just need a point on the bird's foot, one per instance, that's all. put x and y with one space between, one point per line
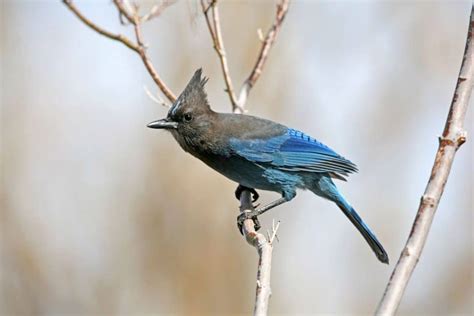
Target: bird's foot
241 188
248 215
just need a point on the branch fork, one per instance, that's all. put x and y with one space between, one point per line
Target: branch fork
211 14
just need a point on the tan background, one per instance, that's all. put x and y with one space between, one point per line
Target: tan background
101 215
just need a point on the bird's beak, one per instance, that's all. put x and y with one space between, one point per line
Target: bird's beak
163 124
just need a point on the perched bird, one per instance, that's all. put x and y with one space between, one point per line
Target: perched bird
260 154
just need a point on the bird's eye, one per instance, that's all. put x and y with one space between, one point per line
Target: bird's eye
188 117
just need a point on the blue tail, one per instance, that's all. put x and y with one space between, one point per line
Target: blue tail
352 215
324 187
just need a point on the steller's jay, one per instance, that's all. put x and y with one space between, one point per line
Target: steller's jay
260 154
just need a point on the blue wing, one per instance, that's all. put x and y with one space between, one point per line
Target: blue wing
292 151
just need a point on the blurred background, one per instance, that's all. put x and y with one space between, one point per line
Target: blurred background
101 215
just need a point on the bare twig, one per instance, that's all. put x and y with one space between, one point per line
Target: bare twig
264 249
282 9
453 137
271 237
134 19
117 37
156 10
139 47
214 27
124 10
260 35
156 98
211 14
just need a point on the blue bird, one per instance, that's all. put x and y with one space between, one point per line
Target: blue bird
260 154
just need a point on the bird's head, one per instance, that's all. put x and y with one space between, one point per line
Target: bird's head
190 112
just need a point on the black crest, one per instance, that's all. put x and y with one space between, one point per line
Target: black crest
193 95
197 82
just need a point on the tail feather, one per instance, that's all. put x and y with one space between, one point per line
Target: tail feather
325 187
376 246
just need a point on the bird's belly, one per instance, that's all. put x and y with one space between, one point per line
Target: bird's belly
242 171
255 176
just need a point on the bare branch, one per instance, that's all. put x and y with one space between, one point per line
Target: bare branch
116 37
134 19
213 23
264 249
453 137
282 9
211 14
124 10
152 71
139 46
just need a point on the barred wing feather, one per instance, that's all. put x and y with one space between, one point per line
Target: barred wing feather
293 151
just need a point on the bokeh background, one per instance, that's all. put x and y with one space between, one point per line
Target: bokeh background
100 215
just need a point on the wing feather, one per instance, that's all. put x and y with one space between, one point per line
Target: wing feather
293 151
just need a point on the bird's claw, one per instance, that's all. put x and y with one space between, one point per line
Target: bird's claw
247 215
241 188
255 195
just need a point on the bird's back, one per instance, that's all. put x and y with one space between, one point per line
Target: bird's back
247 127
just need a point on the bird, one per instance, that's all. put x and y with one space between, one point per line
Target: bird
260 154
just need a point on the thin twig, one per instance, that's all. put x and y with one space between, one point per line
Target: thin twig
260 35
134 19
156 98
453 137
116 37
274 235
213 24
282 9
139 47
156 10
124 10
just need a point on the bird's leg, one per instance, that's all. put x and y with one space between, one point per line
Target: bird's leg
259 211
255 196
241 188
